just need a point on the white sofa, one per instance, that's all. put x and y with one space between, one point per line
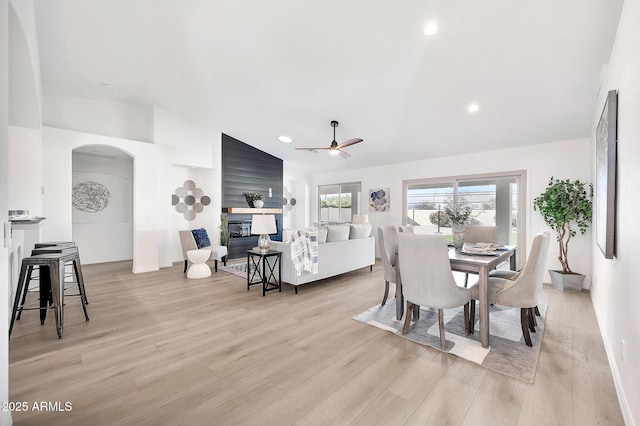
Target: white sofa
334 258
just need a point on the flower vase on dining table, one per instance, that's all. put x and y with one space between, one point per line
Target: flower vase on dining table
458 235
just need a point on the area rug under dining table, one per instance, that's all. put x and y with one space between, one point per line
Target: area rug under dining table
507 352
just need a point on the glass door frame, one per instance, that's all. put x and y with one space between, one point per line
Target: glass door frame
521 177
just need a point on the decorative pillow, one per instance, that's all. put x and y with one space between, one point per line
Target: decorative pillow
287 233
337 232
319 224
359 230
201 237
322 234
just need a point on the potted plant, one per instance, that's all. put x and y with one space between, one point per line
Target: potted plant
565 203
225 236
458 217
254 199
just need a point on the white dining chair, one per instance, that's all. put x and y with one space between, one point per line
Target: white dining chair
479 234
427 279
388 245
522 290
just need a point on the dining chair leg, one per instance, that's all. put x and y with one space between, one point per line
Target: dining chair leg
386 292
472 316
466 280
524 322
532 320
407 318
416 312
443 341
537 310
466 319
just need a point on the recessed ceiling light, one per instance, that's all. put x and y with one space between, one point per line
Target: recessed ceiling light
473 107
430 29
285 139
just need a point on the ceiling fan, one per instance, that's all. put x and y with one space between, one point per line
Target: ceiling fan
334 148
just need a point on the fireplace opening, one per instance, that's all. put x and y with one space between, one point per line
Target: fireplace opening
242 228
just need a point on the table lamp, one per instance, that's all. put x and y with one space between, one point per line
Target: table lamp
263 225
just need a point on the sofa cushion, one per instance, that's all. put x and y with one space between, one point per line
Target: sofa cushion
337 232
322 234
359 230
287 233
201 237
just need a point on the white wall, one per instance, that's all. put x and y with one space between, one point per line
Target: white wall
5 298
99 116
57 147
25 170
209 219
106 241
565 159
186 150
615 290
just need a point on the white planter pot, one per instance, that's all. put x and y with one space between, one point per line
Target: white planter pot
258 204
566 282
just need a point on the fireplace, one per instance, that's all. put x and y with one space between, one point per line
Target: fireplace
239 228
242 228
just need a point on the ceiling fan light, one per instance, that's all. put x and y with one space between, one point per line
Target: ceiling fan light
334 152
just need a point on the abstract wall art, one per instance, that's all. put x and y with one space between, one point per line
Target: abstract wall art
100 198
606 146
189 200
379 200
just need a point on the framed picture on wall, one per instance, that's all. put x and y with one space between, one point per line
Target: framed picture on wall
379 200
606 141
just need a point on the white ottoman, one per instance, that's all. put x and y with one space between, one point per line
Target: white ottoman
199 267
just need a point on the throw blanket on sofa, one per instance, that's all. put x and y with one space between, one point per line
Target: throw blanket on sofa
304 250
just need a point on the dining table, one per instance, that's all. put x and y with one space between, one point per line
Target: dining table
475 263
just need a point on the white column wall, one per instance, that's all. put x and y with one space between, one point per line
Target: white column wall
565 159
25 170
188 151
57 147
209 219
615 290
5 298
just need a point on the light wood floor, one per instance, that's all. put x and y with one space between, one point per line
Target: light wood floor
164 350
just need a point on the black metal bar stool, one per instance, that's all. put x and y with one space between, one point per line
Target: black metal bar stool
77 267
54 285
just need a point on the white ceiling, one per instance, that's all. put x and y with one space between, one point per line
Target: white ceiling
258 69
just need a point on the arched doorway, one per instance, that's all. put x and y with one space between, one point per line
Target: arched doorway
102 199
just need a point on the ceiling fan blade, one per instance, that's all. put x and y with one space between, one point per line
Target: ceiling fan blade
344 154
311 149
349 142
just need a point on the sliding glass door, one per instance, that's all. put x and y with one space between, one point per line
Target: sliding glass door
494 199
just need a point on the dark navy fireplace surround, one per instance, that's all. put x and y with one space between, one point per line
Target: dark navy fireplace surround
247 169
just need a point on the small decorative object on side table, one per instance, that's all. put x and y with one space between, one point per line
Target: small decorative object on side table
266 273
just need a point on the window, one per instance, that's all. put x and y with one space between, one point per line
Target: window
338 202
495 200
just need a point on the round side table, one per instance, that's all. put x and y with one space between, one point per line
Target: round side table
199 268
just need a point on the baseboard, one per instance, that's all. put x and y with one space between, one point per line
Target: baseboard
5 418
615 372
